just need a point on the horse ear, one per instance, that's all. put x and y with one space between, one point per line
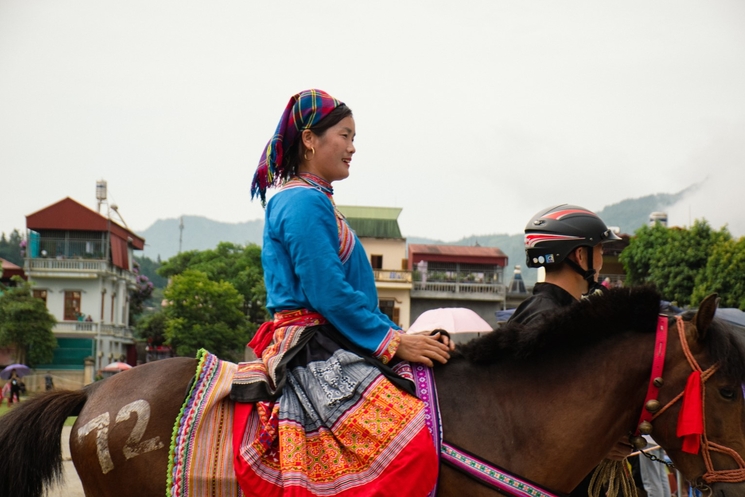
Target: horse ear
705 314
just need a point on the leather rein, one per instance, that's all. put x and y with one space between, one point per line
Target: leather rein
652 410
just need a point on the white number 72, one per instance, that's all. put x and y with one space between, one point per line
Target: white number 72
133 447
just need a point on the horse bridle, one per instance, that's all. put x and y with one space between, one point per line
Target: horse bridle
652 409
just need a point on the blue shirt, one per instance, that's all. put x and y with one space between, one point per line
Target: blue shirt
303 269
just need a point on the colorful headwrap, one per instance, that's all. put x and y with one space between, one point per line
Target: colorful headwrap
303 111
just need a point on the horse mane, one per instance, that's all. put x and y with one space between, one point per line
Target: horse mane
619 310
589 321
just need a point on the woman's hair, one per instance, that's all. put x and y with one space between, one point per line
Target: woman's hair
294 154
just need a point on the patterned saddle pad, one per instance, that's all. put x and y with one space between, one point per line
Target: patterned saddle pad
201 455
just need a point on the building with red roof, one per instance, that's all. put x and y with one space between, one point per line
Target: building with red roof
81 264
8 271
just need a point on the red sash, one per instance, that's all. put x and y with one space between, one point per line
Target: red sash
265 333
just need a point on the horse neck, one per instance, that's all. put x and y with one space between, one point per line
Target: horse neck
550 418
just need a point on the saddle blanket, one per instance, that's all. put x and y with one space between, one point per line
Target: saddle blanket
200 462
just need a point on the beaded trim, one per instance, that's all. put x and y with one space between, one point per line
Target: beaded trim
490 475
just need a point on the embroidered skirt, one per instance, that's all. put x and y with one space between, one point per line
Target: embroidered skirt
341 424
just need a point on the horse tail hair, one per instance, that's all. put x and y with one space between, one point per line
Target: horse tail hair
30 435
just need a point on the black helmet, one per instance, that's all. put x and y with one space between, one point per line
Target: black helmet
553 233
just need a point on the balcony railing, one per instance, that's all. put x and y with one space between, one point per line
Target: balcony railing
88 328
392 275
97 266
467 290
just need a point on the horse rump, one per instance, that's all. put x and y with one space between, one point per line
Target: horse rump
30 435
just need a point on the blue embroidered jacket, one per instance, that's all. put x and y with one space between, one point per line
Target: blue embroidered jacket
313 260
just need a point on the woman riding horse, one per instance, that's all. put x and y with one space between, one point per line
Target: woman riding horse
544 403
329 404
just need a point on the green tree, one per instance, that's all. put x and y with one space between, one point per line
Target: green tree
637 258
671 258
205 313
10 248
149 268
152 328
724 274
236 264
25 323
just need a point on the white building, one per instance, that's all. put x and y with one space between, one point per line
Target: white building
81 264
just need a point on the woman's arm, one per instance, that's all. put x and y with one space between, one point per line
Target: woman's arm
306 227
310 235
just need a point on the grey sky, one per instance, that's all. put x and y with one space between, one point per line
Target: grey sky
471 115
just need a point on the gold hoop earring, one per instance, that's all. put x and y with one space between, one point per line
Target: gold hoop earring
305 154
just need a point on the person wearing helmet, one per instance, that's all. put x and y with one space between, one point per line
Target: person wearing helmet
567 241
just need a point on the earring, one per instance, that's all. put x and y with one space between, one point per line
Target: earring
305 154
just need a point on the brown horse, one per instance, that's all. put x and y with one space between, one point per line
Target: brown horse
546 403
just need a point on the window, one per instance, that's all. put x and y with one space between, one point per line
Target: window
387 307
41 294
376 261
72 305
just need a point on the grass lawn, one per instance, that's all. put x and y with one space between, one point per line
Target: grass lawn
4 408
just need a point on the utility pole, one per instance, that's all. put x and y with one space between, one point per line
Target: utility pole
181 233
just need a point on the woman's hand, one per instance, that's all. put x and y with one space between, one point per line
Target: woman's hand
445 338
424 349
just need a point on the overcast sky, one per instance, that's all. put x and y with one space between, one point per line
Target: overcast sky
471 115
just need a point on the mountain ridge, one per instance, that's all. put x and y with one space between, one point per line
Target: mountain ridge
200 233
163 238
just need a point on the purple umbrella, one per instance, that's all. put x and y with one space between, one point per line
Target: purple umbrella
20 369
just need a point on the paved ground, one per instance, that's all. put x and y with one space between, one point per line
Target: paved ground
71 486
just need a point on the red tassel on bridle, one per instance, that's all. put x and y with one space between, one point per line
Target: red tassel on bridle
691 418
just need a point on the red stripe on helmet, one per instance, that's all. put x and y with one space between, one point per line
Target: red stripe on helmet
534 239
566 212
